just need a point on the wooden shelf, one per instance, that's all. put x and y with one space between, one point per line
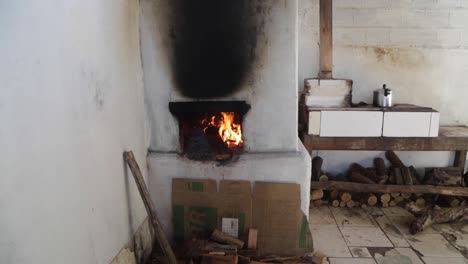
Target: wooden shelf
381 188
450 139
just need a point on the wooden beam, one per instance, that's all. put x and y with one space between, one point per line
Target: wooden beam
385 143
150 209
380 188
326 39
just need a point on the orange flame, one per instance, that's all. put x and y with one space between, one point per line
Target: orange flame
229 131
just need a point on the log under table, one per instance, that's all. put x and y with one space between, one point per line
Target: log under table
451 138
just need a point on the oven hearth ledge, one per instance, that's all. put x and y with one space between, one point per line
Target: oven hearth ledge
285 167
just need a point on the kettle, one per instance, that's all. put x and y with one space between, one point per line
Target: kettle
383 97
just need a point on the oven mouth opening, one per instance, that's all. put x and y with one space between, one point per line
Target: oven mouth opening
210 130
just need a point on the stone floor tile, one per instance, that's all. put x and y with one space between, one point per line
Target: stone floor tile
329 241
435 260
392 232
403 224
433 245
365 237
360 252
321 216
460 242
373 211
352 217
396 211
351 261
398 255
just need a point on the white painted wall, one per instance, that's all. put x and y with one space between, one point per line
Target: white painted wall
418 48
271 123
71 102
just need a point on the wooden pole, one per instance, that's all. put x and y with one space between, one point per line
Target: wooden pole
326 39
150 209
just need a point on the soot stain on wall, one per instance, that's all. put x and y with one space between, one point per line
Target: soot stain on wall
214 44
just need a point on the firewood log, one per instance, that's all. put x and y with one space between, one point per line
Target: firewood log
316 194
399 199
415 175
323 178
392 203
379 165
317 163
384 205
451 201
420 202
406 195
398 176
394 159
342 204
336 203
363 206
346 196
358 177
350 204
406 175
334 194
318 203
361 171
385 198
437 215
395 194
371 199
221 237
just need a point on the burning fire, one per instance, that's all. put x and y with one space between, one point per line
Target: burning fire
229 131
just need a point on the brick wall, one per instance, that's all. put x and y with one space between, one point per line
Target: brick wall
418 47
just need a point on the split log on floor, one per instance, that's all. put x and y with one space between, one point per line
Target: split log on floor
398 176
394 159
221 237
385 198
316 194
415 175
406 174
346 196
436 215
317 163
150 208
379 188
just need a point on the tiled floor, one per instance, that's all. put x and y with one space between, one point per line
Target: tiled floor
381 236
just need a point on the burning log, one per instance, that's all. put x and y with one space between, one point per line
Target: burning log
317 163
437 215
394 159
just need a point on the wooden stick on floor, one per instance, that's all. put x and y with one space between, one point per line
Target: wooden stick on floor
140 182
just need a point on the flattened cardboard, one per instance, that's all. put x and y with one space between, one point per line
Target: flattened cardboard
194 208
235 201
282 227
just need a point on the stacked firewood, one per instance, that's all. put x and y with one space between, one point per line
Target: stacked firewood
397 174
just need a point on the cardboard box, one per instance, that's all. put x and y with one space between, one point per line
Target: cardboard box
282 227
273 208
198 207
